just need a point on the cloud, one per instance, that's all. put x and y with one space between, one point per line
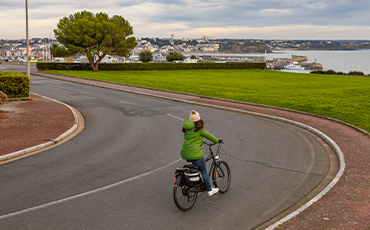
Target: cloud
218 18
281 12
279 32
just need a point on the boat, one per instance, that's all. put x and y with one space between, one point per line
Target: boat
293 66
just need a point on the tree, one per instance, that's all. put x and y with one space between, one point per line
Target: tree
58 51
174 56
145 56
95 36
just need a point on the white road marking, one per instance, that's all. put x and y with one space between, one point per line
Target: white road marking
178 118
85 193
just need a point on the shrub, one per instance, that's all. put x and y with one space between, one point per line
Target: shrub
337 73
330 71
3 97
174 56
14 84
318 72
356 73
145 56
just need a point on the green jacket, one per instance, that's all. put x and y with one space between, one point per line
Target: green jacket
192 146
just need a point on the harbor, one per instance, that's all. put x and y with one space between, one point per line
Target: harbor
337 60
293 63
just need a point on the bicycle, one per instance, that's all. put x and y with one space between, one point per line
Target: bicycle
186 188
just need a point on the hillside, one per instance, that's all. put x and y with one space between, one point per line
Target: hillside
244 47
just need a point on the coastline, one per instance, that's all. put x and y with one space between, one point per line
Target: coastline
337 60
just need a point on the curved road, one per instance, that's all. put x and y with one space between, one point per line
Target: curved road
118 172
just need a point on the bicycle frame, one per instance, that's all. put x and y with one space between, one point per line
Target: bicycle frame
214 158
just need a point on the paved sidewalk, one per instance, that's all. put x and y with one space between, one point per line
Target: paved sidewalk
345 206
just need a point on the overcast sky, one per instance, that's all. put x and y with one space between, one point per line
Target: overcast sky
257 19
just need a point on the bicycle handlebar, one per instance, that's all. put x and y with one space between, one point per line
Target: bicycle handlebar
212 144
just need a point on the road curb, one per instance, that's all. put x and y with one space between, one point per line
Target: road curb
49 143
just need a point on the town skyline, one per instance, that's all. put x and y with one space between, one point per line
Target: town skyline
17 47
258 19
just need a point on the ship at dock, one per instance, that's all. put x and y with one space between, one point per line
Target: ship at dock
293 66
294 63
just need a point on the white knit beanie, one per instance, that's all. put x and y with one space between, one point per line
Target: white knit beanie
194 116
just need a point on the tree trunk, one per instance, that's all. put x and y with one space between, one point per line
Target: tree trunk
94 66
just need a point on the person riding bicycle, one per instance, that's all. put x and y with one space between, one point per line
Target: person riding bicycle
192 146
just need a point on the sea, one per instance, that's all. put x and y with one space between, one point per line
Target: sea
337 60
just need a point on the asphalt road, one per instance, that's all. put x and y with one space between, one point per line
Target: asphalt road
118 172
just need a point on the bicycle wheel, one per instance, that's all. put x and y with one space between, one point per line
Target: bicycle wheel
221 176
184 197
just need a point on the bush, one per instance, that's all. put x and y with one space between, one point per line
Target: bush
174 56
14 84
356 73
151 66
3 97
146 56
332 72
318 72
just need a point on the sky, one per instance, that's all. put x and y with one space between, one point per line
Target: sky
244 19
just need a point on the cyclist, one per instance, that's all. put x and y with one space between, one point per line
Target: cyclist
192 146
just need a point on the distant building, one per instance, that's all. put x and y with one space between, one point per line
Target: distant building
209 47
189 60
208 38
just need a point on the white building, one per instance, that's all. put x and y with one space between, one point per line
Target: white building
209 47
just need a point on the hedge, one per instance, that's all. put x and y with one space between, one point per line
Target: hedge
332 72
15 85
151 66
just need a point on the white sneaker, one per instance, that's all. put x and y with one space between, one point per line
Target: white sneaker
213 191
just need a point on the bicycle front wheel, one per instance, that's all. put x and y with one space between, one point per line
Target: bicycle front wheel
184 197
221 176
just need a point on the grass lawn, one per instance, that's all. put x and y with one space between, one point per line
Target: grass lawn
346 98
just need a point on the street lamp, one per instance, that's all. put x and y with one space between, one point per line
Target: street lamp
28 42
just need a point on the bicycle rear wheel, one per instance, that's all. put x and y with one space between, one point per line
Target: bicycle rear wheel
184 197
221 176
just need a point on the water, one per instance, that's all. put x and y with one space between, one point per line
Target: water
345 61
337 60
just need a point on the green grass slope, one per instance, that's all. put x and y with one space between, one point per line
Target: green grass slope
346 98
